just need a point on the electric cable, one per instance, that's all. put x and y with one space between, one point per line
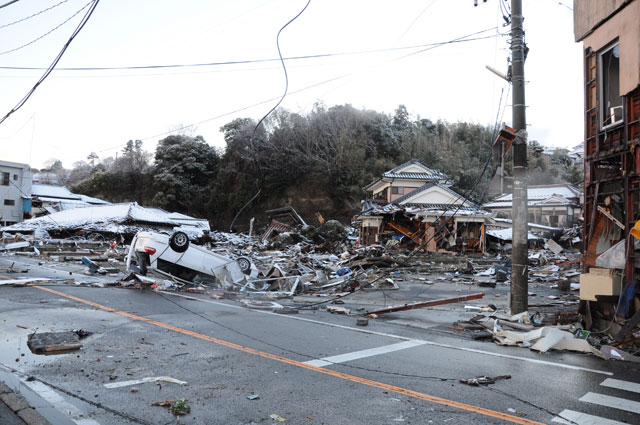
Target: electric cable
48 32
250 61
55 61
34 15
9 3
458 40
438 219
415 20
20 129
255 129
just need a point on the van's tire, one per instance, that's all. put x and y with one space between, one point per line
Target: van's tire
245 264
179 242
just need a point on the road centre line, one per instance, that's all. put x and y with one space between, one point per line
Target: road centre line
425 342
355 355
621 385
344 376
609 401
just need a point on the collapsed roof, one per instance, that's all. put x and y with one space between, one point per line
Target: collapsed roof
125 218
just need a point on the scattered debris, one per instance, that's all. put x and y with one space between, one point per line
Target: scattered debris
144 381
53 342
483 380
362 321
177 407
180 408
425 304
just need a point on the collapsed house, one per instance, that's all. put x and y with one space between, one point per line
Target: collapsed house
415 205
428 229
554 205
610 32
123 220
283 220
48 198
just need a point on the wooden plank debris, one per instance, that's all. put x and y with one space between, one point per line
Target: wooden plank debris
424 304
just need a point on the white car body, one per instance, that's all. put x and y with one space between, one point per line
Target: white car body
151 251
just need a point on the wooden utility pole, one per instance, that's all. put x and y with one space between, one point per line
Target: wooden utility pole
519 254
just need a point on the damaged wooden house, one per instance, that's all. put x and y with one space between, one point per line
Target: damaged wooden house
610 34
415 206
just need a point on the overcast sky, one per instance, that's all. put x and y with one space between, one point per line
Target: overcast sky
74 113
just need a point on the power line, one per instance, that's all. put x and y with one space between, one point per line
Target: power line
8 4
457 40
255 129
55 61
33 16
415 20
249 61
48 32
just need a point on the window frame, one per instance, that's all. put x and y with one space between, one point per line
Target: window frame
9 202
603 111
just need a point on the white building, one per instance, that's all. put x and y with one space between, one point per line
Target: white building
15 192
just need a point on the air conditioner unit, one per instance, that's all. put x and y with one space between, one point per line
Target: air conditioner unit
616 114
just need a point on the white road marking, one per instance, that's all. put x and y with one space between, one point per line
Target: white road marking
471 350
59 403
621 385
609 401
571 417
347 357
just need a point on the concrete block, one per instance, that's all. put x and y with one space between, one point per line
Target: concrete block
4 389
31 417
14 401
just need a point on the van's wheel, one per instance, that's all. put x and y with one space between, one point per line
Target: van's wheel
179 242
245 264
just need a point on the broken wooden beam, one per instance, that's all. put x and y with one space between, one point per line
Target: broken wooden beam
610 217
424 304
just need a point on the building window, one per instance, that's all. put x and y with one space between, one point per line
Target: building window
5 179
15 177
395 190
611 109
10 202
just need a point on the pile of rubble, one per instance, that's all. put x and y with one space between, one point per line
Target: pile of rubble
295 260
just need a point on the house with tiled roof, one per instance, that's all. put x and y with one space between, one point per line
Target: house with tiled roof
416 206
555 205
415 184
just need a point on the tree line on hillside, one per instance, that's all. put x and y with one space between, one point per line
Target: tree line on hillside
318 162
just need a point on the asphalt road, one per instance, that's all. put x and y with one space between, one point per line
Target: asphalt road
385 373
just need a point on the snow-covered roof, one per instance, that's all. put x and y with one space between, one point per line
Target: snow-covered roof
451 197
544 192
449 210
115 218
92 200
13 164
506 234
63 200
52 191
412 170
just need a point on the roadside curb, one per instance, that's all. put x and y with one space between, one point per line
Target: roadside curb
24 406
19 407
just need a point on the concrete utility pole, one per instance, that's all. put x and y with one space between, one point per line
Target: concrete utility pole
519 213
